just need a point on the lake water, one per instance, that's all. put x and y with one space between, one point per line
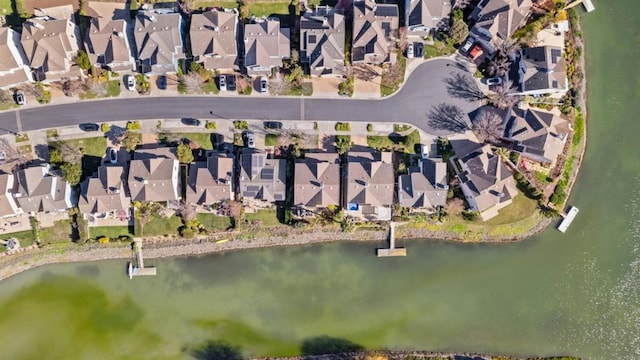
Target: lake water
575 294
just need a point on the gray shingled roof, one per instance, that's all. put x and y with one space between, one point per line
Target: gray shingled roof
8 205
38 190
539 134
262 178
370 183
107 44
158 40
545 70
213 37
154 179
374 28
11 72
501 18
425 186
265 45
429 13
104 192
322 40
210 181
317 182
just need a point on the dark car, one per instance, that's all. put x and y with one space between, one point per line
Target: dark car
162 82
89 127
275 125
191 121
419 50
231 82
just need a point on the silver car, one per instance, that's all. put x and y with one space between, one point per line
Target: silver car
20 98
468 44
222 83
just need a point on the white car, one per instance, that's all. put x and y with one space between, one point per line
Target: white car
113 156
251 140
468 44
264 84
494 81
222 83
131 83
410 51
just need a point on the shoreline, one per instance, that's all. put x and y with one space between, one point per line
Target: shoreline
158 248
413 355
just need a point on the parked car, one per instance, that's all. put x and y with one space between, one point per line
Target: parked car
162 82
468 44
264 84
131 83
191 121
113 155
222 83
231 82
410 51
275 125
20 98
419 50
251 140
89 127
494 81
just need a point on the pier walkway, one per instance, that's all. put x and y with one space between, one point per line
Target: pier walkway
392 250
139 269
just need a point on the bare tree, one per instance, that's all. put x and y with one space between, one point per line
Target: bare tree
488 125
187 6
504 97
278 85
12 155
463 86
288 137
6 96
97 87
448 118
187 211
192 83
364 72
454 206
505 54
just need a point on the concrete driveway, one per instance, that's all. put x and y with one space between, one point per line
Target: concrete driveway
436 89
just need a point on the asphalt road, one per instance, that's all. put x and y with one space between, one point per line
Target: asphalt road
425 89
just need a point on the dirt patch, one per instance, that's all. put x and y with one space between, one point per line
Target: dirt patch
149 138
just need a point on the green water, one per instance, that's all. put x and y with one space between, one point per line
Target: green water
574 294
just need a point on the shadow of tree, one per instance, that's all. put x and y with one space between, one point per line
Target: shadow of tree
328 345
463 86
449 118
216 350
42 151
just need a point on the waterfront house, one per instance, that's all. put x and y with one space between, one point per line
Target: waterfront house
51 41
103 195
158 41
262 179
498 19
423 17
107 44
322 40
370 185
8 205
13 69
210 181
424 187
265 46
536 134
542 71
154 176
38 189
214 42
375 30
487 183
317 181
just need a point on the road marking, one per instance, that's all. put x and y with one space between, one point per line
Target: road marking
18 122
302 109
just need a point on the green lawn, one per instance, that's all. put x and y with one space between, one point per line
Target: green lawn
213 222
25 237
439 48
380 142
306 89
109 231
60 232
395 143
95 146
266 8
22 137
271 139
521 208
222 3
113 90
5 7
267 217
393 77
160 226
8 105
203 139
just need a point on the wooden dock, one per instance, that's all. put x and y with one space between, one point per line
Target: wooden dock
392 250
139 269
588 5
568 219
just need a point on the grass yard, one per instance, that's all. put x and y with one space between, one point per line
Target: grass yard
22 137
271 139
209 87
267 217
213 222
8 105
112 87
110 231
59 233
25 237
222 3
306 89
204 140
439 48
25 149
95 146
406 144
393 77
5 7
159 226
521 208
266 8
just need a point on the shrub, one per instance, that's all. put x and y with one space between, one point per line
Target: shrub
340 126
343 144
315 125
71 173
578 129
369 128
184 154
103 240
105 127
211 125
241 124
347 87
133 125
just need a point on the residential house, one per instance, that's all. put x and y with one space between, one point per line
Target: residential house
487 183
158 40
107 44
8 205
50 43
214 39
424 16
262 180
537 135
498 19
370 185
265 46
13 69
375 28
154 176
104 195
542 71
210 182
317 181
38 189
322 39
425 186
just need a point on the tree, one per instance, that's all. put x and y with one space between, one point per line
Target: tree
459 29
72 172
504 97
505 54
488 126
454 206
130 140
192 82
343 144
83 60
185 156
296 75
144 212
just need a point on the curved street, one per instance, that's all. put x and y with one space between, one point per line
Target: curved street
431 84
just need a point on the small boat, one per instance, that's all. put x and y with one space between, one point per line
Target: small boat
222 241
130 271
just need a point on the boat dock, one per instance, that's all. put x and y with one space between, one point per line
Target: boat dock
568 219
588 5
392 250
139 269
